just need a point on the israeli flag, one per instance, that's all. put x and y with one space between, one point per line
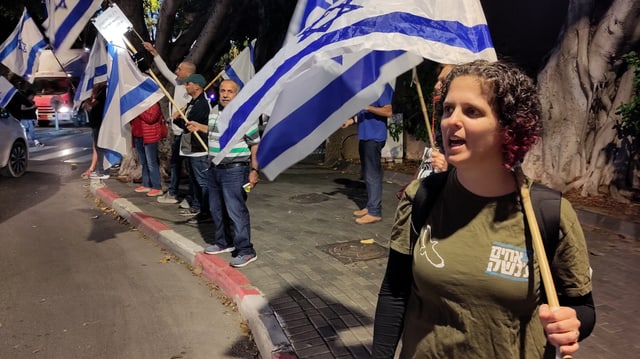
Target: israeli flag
241 69
19 52
7 91
66 19
335 45
95 72
129 93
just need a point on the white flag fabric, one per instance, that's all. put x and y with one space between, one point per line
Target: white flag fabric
241 69
66 19
447 32
305 12
7 91
19 52
129 93
95 72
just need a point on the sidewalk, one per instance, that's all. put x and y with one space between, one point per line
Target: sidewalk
313 290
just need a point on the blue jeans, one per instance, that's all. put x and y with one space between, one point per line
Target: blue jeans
148 156
29 129
370 153
226 192
198 175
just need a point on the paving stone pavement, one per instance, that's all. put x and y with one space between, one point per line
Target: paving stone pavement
322 282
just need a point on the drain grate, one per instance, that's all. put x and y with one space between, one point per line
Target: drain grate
308 198
354 251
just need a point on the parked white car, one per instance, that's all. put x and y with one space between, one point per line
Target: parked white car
14 150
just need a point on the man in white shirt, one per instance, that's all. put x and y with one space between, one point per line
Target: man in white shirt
181 97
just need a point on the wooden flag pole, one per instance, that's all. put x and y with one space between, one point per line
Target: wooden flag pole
538 247
423 106
166 93
175 105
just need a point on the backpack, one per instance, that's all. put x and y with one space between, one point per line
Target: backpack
545 201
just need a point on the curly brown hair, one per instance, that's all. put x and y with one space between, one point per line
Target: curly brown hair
513 96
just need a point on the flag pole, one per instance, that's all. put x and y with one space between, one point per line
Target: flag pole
213 81
538 247
164 90
423 106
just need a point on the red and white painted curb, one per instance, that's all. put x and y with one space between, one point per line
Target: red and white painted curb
252 304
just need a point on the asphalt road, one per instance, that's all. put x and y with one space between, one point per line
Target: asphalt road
77 283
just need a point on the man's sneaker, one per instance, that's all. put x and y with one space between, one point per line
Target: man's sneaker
154 193
167 198
189 212
216 249
185 204
97 175
142 189
241 261
200 218
38 144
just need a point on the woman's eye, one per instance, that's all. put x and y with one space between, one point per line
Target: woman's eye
447 110
472 112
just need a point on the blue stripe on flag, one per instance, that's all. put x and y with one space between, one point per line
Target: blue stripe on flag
476 39
322 105
114 79
137 95
33 55
233 75
70 21
11 46
7 97
100 70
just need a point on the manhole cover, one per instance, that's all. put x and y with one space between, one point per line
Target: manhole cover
309 198
349 252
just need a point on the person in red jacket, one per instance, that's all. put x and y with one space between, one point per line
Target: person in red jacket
146 130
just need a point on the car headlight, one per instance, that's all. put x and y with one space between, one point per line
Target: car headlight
64 109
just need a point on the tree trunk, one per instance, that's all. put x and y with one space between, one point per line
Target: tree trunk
166 21
580 89
134 11
216 17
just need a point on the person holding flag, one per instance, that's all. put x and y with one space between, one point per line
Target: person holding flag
229 182
198 110
464 284
181 97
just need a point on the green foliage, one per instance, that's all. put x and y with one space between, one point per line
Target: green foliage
629 124
151 10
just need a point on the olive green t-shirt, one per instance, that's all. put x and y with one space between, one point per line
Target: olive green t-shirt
476 284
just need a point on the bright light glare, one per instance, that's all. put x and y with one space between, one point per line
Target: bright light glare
112 24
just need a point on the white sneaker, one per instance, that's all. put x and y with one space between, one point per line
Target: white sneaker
167 198
185 204
96 175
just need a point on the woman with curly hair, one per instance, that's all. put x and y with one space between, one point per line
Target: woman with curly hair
472 288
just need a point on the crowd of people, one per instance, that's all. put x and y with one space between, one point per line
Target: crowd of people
441 293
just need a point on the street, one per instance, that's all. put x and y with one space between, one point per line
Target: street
78 283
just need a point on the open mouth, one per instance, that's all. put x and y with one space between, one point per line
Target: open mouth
456 141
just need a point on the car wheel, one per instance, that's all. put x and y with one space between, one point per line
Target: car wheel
43 123
18 158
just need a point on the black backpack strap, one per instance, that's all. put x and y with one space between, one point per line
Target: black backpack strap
427 194
546 206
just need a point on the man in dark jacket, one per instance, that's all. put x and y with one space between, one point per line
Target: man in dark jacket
190 147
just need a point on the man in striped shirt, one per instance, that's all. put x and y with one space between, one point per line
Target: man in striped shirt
229 183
